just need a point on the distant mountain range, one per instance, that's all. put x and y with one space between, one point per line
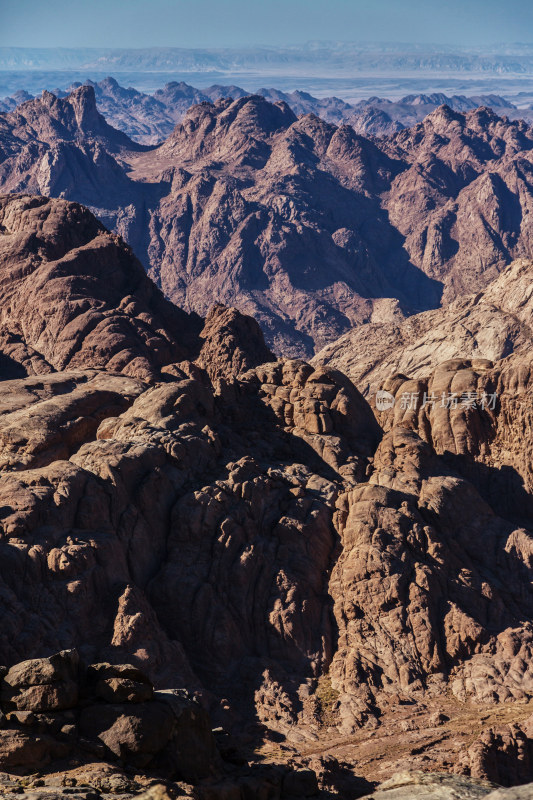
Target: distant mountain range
313 58
350 71
150 118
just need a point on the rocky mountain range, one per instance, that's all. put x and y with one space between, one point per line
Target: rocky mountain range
150 118
307 226
197 535
379 116
266 435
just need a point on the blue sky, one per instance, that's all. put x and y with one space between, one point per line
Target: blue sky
227 23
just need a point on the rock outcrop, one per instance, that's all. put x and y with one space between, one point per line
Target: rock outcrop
232 343
56 707
435 786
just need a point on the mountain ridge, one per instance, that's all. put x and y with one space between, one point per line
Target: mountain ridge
150 118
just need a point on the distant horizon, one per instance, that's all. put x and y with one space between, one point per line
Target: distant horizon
350 69
286 45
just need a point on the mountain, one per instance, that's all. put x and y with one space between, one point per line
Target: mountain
150 118
195 535
10 103
143 117
63 147
172 187
378 116
73 118
73 294
277 214
332 109
307 226
463 203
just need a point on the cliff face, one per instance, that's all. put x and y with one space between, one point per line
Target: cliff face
307 226
249 531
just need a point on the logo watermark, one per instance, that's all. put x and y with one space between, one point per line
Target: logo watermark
384 400
408 401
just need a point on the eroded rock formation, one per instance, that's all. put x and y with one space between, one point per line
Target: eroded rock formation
255 533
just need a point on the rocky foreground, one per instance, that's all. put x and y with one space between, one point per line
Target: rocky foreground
196 536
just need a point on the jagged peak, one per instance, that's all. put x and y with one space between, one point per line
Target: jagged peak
253 114
483 115
73 117
271 116
444 113
83 101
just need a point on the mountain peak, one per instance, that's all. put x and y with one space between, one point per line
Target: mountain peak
237 130
51 119
445 114
483 116
83 102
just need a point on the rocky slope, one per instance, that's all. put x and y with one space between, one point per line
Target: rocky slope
343 594
489 325
73 295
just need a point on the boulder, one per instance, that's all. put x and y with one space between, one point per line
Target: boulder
515 793
121 683
133 734
24 749
42 684
299 784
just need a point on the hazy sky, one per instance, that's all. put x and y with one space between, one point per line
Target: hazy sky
206 23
